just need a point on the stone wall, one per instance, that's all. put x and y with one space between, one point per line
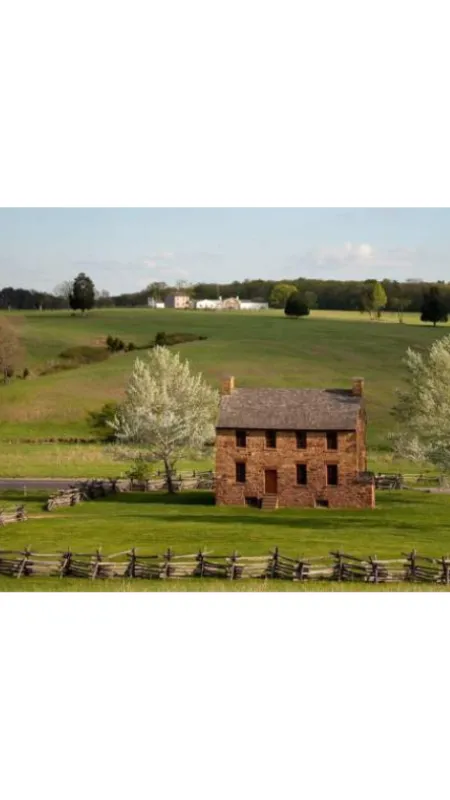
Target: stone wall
350 458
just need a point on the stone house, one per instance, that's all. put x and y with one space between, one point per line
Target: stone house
293 447
177 300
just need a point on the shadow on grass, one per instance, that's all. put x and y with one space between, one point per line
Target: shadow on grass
19 498
197 498
321 522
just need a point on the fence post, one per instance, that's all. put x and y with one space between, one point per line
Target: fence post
96 565
65 566
374 563
168 557
132 567
299 570
274 564
24 561
201 561
412 565
340 565
234 559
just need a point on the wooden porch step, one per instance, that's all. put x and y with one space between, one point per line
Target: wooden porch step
269 502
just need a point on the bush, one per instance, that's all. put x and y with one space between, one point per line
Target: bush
98 420
25 373
114 344
84 354
139 471
131 346
296 306
160 339
167 339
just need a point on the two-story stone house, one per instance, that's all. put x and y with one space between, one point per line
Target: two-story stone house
292 447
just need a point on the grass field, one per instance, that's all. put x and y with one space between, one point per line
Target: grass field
401 521
324 350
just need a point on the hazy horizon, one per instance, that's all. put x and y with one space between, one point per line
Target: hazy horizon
124 250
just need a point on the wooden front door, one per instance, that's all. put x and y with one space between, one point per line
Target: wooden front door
271 482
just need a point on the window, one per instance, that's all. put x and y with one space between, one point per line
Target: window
241 439
332 474
332 440
301 440
253 502
240 472
302 474
271 438
321 503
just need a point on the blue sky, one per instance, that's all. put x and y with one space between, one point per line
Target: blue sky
125 249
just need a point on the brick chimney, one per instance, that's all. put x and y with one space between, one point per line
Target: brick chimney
228 385
358 387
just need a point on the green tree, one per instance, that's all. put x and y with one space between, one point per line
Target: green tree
82 295
311 299
280 294
379 298
400 303
296 306
11 353
434 309
101 421
373 298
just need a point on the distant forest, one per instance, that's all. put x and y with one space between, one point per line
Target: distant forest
326 294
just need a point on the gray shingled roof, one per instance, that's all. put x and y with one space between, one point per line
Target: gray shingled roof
289 409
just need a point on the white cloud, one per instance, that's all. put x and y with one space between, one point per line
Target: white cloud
355 260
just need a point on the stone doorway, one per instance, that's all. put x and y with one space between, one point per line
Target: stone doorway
270 481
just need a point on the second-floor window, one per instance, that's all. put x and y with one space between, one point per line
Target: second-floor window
301 440
332 440
241 439
271 439
240 472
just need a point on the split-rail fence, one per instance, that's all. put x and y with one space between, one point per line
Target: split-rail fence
336 566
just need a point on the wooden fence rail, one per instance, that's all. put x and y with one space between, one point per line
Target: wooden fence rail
336 566
90 490
18 514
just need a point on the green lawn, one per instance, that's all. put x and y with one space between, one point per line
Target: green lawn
151 523
261 349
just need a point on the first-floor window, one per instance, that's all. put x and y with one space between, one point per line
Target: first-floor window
240 472
332 474
302 475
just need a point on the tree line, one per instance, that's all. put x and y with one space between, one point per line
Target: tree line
339 295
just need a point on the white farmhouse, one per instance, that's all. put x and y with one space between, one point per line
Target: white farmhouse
211 305
152 303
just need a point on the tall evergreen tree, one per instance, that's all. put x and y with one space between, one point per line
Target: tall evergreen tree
82 295
434 309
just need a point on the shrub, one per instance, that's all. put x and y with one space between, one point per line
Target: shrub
98 420
161 339
25 373
114 344
139 470
131 346
84 354
296 306
168 339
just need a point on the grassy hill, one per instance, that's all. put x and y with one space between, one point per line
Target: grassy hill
260 349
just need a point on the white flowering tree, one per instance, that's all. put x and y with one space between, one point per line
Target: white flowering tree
423 409
168 412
